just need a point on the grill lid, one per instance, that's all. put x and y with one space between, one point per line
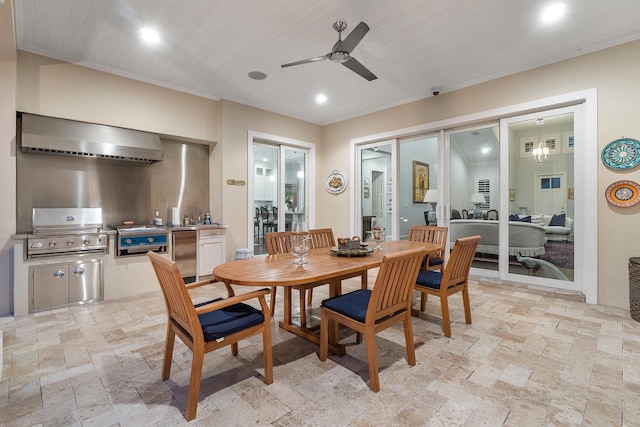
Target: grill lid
66 220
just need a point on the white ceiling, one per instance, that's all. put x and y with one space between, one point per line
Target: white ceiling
209 46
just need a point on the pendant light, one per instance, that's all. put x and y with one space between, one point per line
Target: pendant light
540 152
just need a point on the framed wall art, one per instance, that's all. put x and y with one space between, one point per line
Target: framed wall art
420 181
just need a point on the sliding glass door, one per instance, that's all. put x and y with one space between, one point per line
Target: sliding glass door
376 189
474 191
541 188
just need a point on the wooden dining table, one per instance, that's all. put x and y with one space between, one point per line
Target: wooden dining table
322 266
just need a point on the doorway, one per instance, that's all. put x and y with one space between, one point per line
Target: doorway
281 186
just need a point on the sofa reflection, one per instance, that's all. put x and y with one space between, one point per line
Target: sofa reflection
525 239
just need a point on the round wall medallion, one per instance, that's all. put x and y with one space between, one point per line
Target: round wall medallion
623 153
336 182
623 194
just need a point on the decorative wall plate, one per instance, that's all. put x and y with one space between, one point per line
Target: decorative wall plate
623 194
623 153
336 182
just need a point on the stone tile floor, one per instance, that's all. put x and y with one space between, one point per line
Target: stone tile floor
530 358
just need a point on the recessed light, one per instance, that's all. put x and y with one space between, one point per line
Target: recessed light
150 35
553 12
257 75
321 99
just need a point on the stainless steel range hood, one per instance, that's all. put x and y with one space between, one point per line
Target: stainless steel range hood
68 137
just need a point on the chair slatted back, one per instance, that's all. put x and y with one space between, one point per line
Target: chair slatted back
264 213
180 307
278 242
425 233
322 238
395 283
457 269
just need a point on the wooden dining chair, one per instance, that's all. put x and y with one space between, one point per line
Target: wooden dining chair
208 326
371 311
492 214
267 224
280 243
323 238
465 214
437 235
454 279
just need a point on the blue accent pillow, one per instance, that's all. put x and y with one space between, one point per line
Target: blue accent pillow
514 217
557 220
525 219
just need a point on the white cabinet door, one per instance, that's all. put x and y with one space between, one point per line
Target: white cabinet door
210 255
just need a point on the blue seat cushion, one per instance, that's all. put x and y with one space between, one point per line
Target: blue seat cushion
514 217
525 219
228 320
429 279
353 305
435 261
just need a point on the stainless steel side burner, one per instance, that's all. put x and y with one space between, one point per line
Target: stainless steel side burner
139 239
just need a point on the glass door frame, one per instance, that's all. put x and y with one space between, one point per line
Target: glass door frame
577 283
586 159
310 178
446 171
356 189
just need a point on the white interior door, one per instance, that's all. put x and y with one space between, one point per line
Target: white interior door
551 194
378 194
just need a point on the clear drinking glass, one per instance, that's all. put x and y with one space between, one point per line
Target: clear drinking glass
378 232
300 241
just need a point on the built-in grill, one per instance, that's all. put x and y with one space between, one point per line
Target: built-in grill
139 239
69 244
65 231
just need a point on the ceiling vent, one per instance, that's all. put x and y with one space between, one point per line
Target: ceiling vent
51 135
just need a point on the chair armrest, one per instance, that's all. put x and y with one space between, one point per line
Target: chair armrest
200 283
260 294
209 281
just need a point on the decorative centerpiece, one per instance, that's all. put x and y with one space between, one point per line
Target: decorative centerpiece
349 243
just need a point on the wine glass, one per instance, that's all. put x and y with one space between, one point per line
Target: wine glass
300 241
378 232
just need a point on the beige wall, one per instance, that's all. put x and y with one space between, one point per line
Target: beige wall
59 89
7 182
237 121
613 72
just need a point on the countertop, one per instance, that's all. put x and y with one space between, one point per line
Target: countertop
111 230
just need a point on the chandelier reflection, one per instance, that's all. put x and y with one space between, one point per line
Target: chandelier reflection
540 152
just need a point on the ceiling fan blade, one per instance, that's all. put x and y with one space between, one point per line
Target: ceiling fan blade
306 61
358 68
354 37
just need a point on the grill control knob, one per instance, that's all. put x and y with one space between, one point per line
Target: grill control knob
150 239
128 241
52 244
69 242
86 241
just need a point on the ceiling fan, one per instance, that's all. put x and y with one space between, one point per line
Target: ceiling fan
340 52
